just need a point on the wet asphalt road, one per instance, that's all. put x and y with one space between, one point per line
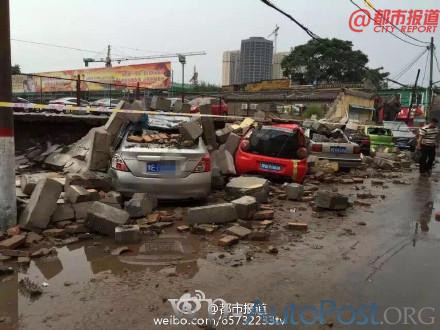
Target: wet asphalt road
392 262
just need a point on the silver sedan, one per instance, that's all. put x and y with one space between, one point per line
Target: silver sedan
167 171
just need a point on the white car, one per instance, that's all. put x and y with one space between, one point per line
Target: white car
336 147
68 101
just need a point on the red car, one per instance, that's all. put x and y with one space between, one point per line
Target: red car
218 106
278 151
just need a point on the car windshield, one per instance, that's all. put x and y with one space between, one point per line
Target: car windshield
397 126
276 142
379 131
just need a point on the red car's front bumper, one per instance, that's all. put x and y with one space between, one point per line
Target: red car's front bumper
245 162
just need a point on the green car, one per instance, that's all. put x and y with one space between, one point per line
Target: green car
380 137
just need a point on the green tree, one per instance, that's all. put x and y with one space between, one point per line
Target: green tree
206 87
329 61
15 69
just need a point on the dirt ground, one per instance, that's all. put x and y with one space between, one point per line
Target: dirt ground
344 256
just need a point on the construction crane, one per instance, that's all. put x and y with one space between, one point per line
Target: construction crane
195 78
108 59
275 34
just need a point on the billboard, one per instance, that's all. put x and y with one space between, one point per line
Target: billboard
150 75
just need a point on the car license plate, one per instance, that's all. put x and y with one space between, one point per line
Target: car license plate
270 166
158 167
337 150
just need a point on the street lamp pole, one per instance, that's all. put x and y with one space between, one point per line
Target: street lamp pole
182 59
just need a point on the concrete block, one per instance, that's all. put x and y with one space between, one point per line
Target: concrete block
177 106
238 231
63 212
224 161
114 124
228 240
103 218
160 103
245 207
57 160
248 186
209 132
76 228
232 143
140 205
331 200
76 194
42 204
218 181
216 213
29 181
223 134
294 191
93 194
80 209
191 130
112 197
127 234
13 242
89 180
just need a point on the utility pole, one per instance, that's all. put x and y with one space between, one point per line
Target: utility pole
108 59
8 209
431 48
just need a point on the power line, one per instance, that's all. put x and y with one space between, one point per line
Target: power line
389 22
406 68
316 37
57 46
307 30
392 33
437 63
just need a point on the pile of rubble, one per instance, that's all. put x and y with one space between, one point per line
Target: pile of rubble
77 201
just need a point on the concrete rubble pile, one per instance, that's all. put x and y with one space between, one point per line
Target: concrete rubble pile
75 201
91 153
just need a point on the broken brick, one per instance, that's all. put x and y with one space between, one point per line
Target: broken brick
299 226
227 240
264 215
13 242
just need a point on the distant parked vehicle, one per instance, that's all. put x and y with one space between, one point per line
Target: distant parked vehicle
27 105
69 101
404 138
107 104
275 150
380 137
218 107
336 147
167 171
359 138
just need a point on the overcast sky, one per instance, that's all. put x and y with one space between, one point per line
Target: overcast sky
147 27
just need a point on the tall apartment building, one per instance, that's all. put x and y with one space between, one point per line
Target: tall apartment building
277 72
255 59
231 68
